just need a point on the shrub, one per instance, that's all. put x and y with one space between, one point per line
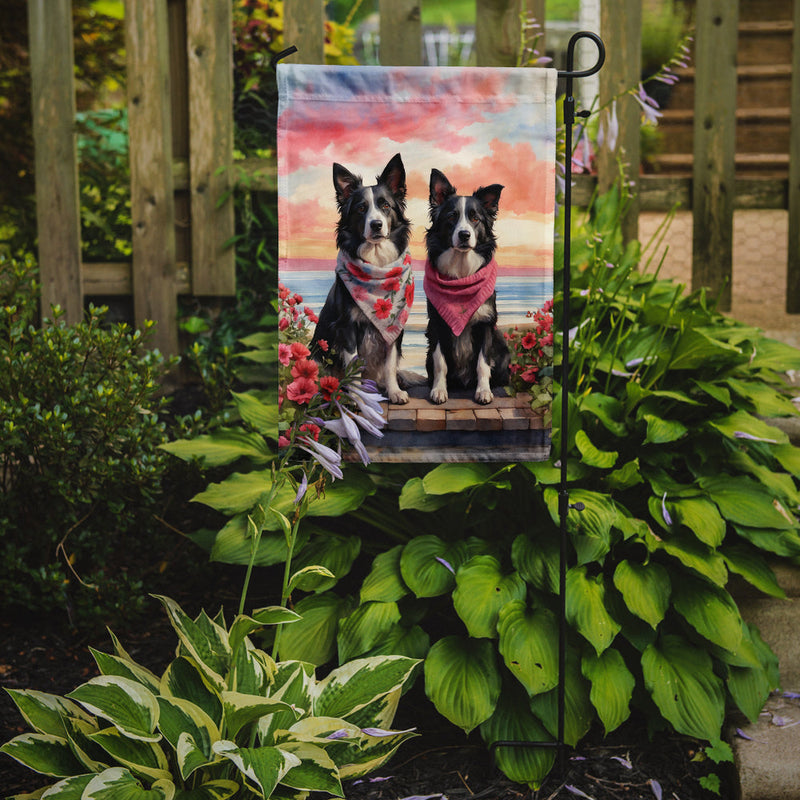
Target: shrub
223 720
79 430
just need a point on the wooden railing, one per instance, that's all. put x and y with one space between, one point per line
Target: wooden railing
181 133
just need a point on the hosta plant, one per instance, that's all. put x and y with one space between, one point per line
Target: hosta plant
224 720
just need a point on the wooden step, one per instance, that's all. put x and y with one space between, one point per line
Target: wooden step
766 165
754 10
765 42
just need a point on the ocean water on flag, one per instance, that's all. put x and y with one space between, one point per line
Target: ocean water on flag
516 296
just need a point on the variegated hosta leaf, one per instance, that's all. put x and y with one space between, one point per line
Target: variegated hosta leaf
372 753
145 759
612 687
358 683
683 685
529 645
117 783
294 684
44 753
78 733
125 668
365 627
242 709
513 721
183 679
212 790
252 670
462 680
316 771
45 712
646 589
204 641
126 704
385 581
190 755
262 766
586 608
179 718
68 789
481 591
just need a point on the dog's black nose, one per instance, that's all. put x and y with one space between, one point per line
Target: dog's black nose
376 225
463 236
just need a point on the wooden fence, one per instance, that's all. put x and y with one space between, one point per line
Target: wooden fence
180 93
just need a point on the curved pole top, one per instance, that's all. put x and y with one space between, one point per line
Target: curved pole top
585 73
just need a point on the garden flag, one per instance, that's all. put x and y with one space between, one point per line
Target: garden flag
416 214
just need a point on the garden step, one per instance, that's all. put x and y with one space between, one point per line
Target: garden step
763 165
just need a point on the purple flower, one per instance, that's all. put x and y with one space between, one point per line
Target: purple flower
301 489
655 786
380 732
751 437
624 761
447 564
325 456
648 105
342 733
577 792
664 512
742 735
608 132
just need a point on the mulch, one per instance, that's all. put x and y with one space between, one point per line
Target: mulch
45 654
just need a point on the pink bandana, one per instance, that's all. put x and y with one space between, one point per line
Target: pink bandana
457 299
384 294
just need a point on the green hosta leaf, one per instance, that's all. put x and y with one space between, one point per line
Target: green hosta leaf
118 784
145 759
646 589
590 455
695 350
126 704
365 627
223 446
462 680
529 645
597 517
399 640
428 565
312 577
608 410
233 544
242 709
767 401
612 687
182 679
207 644
212 790
414 497
45 712
125 668
44 753
512 721
357 684
481 591
334 553
537 561
709 610
788 455
753 567
385 582
701 517
663 431
586 608
749 687
264 766
715 391
578 710
745 502
548 474
625 477
782 543
683 685
453 478
693 554
771 354
316 772
313 638
263 417
740 422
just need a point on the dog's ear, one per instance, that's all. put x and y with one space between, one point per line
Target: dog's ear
441 188
344 182
394 176
489 196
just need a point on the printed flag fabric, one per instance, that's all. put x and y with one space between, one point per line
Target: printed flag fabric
488 138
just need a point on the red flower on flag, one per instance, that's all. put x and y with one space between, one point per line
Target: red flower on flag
382 308
301 390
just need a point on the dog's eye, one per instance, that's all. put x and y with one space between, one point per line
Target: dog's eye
361 208
473 216
384 205
452 216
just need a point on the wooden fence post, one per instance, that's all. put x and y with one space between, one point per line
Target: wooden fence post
210 55
498 29
621 28
304 27
714 190
56 161
401 33
152 200
793 266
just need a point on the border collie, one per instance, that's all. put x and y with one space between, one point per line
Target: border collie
465 349
368 304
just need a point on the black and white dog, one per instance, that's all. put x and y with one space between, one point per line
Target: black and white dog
465 349
368 304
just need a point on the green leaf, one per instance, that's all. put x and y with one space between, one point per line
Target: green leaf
263 417
45 712
709 609
608 410
481 591
627 476
239 492
591 456
313 638
695 350
663 431
212 790
683 685
586 608
179 717
766 400
512 721
126 704
529 645
385 581
182 679
44 753
241 709
333 553
264 766
365 627
233 544
145 759
612 687
413 497
745 502
701 517
537 561
453 478
223 446
422 565
67 789
645 588
771 354
753 567
117 783
316 772
691 553
125 668
462 680
244 625
741 422
782 543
